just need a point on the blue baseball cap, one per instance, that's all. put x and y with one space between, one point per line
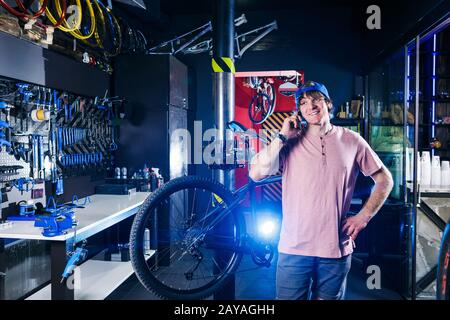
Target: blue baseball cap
312 86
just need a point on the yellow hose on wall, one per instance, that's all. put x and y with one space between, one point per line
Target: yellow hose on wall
65 26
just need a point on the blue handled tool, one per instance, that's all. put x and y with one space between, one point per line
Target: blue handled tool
4 124
24 184
3 142
77 256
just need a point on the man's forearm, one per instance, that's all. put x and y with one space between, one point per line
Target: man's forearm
376 199
265 163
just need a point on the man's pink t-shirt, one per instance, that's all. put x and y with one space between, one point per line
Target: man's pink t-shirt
319 175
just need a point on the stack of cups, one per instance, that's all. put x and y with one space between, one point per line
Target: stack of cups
445 174
436 172
425 169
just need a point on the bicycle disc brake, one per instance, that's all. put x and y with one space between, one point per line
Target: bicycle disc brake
262 255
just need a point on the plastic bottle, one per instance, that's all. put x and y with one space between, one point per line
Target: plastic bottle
159 177
347 110
153 181
436 172
146 172
146 240
378 110
445 174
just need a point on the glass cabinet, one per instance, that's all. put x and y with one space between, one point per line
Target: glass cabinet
409 128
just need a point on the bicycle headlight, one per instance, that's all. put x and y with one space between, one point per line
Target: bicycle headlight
268 227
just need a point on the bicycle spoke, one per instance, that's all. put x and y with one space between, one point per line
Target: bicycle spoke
209 200
193 203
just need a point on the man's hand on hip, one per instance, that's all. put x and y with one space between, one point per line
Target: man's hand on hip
353 225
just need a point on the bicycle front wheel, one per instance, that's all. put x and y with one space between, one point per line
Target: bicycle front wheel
185 242
259 108
443 273
270 91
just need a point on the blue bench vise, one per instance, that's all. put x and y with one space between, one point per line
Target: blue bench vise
56 222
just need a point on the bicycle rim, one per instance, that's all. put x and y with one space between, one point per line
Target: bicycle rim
27 10
259 108
187 256
272 97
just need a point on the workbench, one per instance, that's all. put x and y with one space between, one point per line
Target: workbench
97 279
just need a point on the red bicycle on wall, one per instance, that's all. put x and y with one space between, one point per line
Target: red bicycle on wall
263 102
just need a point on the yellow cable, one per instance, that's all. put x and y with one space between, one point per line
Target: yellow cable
78 12
77 33
119 32
98 39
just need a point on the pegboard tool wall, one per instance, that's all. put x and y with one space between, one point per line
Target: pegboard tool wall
30 63
50 135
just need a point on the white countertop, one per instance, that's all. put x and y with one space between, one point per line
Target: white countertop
103 212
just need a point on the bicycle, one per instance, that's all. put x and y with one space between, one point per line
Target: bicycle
443 271
263 102
196 236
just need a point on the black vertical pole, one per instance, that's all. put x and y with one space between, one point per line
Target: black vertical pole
416 190
223 96
2 269
60 290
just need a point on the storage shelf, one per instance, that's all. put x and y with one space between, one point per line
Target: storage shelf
98 279
429 189
430 100
435 124
428 52
385 123
437 77
346 122
438 150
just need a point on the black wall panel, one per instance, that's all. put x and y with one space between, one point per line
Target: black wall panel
29 62
153 86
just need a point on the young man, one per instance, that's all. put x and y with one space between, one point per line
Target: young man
320 164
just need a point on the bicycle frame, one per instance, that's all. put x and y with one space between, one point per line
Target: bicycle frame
219 214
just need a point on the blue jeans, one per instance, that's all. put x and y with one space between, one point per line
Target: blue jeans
303 277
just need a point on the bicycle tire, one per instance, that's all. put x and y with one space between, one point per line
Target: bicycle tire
443 273
265 113
145 273
27 10
272 97
12 10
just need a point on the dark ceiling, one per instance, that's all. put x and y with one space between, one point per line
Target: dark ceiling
164 19
176 7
